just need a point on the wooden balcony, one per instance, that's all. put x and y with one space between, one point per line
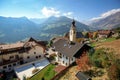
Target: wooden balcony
10 61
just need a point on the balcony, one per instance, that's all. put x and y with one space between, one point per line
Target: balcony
4 62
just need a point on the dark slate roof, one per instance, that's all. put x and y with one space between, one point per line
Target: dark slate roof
66 47
78 35
82 76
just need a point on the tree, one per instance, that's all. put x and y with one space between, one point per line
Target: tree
87 35
95 34
50 43
83 62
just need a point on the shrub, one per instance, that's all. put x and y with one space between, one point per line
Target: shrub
98 63
102 59
114 72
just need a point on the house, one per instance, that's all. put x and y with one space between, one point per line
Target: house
73 35
15 54
104 33
67 52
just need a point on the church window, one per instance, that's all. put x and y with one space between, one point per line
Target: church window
74 32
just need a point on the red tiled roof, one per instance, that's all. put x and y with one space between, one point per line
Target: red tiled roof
106 32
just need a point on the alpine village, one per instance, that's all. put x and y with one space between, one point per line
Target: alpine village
59 39
74 56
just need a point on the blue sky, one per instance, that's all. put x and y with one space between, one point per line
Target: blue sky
78 9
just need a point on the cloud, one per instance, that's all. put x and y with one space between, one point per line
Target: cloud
50 11
106 14
68 14
47 12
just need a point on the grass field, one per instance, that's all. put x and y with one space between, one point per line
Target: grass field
110 39
102 40
48 72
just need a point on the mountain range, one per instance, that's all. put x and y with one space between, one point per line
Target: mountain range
109 22
15 29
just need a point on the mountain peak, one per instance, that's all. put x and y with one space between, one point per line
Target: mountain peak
108 22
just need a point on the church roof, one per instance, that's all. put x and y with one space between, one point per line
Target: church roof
79 35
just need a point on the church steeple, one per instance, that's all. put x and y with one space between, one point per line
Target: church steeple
73 23
72 33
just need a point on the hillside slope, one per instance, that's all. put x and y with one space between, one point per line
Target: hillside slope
59 26
109 22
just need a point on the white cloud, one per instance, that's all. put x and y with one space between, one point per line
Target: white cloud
106 14
68 14
47 12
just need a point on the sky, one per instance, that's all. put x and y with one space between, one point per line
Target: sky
81 10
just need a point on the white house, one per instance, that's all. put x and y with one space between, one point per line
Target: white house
67 51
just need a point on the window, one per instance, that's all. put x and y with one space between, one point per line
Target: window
18 63
39 56
66 64
9 68
74 32
72 59
63 62
60 55
36 56
28 57
53 49
11 57
66 57
9 65
34 52
14 64
4 67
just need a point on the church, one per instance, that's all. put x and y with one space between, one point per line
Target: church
68 50
73 34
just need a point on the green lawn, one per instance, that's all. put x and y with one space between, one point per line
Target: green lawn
103 40
48 73
110 39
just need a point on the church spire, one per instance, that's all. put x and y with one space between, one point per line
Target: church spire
73 23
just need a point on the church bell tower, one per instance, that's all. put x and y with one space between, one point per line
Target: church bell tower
72 32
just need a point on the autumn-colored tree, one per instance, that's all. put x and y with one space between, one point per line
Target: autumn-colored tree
83 62
87 35
95 34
